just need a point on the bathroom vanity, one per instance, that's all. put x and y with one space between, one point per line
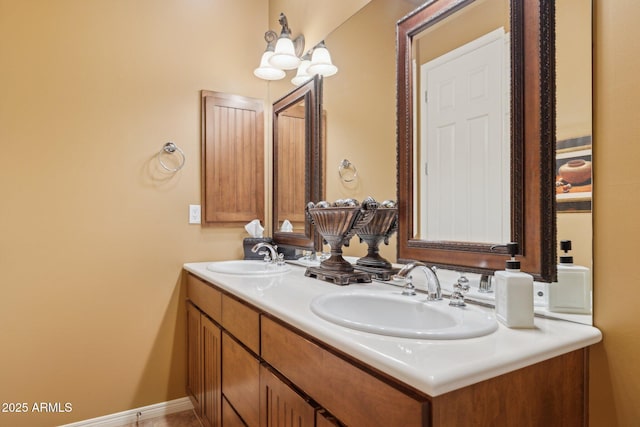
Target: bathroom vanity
258 356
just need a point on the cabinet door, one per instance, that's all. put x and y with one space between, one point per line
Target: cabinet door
233 158
324 420
280 406
229 417
241 380
211 393
194 369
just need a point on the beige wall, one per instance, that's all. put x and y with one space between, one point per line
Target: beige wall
360 104
615 372
92 233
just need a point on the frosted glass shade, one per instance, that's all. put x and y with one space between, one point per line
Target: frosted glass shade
321 63
284 56
266 71
302 75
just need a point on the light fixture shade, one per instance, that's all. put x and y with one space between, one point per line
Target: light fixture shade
266 71
284 56
321 62
302 75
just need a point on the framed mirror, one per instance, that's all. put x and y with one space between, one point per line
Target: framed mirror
297 164
507 152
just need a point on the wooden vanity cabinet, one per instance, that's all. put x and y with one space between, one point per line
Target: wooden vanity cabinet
249 369
223 336
204 342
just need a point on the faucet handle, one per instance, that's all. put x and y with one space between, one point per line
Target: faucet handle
409 289
485 283
267 256
460 289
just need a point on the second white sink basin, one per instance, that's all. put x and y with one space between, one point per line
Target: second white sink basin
247 268
402 316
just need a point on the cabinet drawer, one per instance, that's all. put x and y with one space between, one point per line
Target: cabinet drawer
242 321
207 298
354 396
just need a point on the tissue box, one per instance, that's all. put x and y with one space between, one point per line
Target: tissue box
289 253
250 242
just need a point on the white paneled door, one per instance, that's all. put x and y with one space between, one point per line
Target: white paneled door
464 144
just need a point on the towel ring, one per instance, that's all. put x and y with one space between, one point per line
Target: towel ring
171 148
347 171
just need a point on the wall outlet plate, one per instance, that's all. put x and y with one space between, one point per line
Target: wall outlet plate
194 214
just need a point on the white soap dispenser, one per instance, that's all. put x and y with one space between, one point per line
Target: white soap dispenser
572 292
514 293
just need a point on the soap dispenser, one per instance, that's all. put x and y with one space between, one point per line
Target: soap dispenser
514 293
572 292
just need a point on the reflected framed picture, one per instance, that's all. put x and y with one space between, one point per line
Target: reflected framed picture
574 174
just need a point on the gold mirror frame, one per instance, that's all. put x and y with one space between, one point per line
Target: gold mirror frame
533 218
311 94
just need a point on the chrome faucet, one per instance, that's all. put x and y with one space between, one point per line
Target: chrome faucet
271 255
434 292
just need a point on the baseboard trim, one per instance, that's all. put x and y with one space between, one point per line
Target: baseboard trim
137 414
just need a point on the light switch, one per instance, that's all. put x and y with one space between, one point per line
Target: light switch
194 214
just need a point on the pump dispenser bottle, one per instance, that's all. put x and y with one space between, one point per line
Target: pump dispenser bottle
514 293
572 292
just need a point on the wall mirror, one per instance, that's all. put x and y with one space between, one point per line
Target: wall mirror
297 164
466 167
361 121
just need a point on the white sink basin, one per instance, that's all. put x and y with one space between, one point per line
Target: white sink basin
247 268
402 316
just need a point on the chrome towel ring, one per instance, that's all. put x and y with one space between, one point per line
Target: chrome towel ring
171 148
347 171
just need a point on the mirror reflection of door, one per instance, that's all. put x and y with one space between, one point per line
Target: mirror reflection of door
464 143
291 179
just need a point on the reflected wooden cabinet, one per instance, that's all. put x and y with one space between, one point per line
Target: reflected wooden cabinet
291 151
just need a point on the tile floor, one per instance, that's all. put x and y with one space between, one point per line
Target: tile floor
179 419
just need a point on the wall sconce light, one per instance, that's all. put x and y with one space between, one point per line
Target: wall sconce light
321 62
283 53
266 71
302 75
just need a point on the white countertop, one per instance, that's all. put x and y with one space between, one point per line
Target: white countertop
432 366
